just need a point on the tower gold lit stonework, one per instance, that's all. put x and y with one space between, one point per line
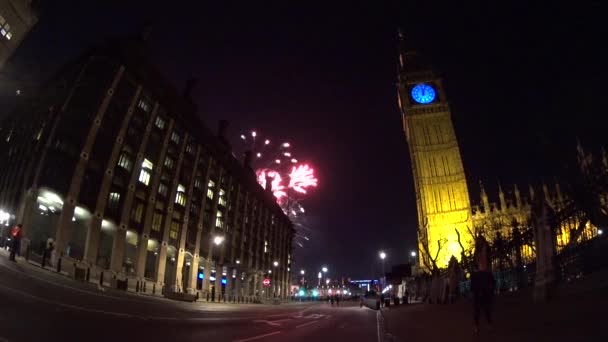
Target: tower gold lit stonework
442 198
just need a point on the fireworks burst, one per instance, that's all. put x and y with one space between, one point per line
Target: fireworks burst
290 181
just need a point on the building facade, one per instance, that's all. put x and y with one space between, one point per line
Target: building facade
442 197
17 17
114 167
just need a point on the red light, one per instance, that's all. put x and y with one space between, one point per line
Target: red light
266 282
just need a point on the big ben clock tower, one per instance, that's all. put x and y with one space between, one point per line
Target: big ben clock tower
442 197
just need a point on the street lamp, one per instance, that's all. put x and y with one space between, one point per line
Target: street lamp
324 269
302 272
413 254
276 263
218 240
382 256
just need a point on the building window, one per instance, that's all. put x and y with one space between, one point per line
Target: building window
138 212
210 189
125 162
169 162
175 137
5 29
219 219
144 174
160 122
198 183
113 201
174 230
157 220
180 197
162 189
265 246
194 209
145 104
222 199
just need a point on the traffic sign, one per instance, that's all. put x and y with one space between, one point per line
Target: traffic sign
266 282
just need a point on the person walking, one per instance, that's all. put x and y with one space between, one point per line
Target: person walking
482 283
16 234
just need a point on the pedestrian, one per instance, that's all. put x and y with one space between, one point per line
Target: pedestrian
16 234
338 300
482 283
331 300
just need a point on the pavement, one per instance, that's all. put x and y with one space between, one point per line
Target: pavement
575 317
36 305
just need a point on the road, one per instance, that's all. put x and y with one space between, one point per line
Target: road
37 305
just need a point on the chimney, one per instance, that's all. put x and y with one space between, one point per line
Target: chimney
268 183
247 160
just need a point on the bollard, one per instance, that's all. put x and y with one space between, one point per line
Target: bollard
144 286
59 265
154 288
43 258
101 279
137 286
88 276
207 296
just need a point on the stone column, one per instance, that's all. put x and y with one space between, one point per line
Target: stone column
191 286
118 243
94 228
64 227
219 269
162 255
206 275
229 284
238 293
142 248
256 284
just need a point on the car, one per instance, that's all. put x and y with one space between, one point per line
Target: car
371 300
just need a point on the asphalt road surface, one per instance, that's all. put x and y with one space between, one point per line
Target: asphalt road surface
37 305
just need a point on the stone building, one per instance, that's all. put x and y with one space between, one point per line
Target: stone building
114 165
17 17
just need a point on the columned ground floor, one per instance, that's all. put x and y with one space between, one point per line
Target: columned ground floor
114 258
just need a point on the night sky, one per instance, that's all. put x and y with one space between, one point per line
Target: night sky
523 83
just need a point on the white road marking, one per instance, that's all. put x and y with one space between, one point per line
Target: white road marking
258 337
379 318
267 322
305 324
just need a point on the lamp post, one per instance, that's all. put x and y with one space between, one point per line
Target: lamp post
324 269
382 257
302 273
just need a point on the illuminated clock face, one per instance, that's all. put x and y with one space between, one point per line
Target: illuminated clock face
423 93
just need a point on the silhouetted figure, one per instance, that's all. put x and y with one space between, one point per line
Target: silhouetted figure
16 234
482 282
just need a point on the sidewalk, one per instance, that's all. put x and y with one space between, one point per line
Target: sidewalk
574 317
34 268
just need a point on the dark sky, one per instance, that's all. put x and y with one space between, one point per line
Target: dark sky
523 83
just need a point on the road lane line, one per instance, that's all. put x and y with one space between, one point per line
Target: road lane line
258 337
379 323
306 324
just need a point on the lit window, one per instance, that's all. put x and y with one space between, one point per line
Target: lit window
113 200
138 212
194 208
162 189
169 162
265 246
222 199
145 104
219 220
180 197
157 220
160 122
5 29
210 189
190 149
125 162
174 230
175 137
144 174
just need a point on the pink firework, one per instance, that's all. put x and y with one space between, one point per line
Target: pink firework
278 190
302 177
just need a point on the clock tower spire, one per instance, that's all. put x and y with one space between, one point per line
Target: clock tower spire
442 197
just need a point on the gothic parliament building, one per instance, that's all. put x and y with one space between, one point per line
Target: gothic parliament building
445 209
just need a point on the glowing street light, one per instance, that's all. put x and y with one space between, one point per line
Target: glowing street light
276 263
302 272
218 240
253 134
413 254
324 269
382 255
